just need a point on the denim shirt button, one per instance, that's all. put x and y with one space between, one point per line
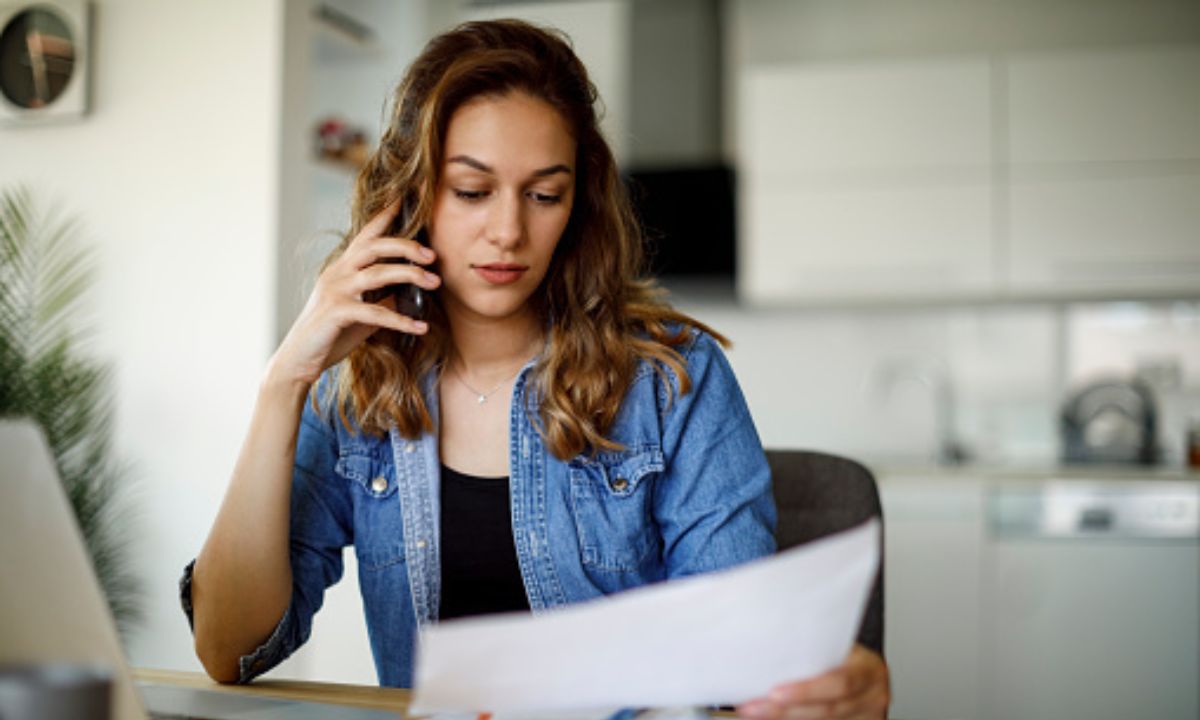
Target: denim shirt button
379 484
420 544
409 447
620 484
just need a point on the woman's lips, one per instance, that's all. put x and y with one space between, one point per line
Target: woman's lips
500 273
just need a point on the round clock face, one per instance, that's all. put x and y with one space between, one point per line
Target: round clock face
37 58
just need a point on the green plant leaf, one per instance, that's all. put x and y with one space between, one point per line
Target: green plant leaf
45 376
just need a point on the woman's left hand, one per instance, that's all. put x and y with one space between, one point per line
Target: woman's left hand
858 688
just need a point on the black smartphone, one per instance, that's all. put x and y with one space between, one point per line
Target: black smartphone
410 299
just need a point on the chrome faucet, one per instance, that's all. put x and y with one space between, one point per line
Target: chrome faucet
934 375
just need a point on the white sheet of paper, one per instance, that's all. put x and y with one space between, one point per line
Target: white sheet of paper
720 638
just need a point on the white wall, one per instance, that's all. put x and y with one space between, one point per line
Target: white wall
817 379
173 178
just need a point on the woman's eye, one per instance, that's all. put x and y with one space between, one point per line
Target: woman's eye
545 198
470 195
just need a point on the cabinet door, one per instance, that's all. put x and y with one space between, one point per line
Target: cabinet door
865 181
1098 629
934 541
1105 172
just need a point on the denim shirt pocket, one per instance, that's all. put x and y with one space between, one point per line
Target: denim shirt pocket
611 496
378 530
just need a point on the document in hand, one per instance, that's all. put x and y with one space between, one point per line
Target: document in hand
714 639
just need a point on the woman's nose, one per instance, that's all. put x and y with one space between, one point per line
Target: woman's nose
506 226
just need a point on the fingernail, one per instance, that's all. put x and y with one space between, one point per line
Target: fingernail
426 253
421 325
431 277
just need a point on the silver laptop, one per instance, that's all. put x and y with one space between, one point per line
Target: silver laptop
52 609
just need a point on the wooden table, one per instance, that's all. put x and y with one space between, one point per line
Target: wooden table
365 696
376 698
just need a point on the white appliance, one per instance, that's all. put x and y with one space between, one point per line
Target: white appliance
1091 600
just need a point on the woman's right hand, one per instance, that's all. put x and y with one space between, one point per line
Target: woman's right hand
336 318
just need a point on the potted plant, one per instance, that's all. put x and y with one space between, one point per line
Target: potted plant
45 375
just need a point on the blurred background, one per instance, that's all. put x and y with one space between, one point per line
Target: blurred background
958 241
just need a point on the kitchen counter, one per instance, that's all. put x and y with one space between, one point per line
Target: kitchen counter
892 470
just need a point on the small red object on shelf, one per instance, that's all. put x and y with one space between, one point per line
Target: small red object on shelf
338 141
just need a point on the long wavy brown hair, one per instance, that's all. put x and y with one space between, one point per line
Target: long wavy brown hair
602 315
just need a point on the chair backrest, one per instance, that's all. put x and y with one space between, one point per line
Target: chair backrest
819 494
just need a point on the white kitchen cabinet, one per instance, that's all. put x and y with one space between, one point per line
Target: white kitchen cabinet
1085 630
934 534
1104 152
865 181
1101 234
1071 174
1114 104
1041 598
865 243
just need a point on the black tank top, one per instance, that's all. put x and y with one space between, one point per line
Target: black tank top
480 574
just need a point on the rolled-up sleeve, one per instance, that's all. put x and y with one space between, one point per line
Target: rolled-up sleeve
320 528
714 504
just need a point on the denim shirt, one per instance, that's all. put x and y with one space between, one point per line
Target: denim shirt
690 492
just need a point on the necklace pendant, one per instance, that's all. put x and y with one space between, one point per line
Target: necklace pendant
482 399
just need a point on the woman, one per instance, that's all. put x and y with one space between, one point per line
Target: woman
550 433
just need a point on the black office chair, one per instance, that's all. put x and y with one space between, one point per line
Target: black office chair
819 494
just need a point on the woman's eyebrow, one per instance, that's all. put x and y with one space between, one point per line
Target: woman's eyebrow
483 167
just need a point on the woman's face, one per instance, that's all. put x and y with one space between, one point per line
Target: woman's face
502 202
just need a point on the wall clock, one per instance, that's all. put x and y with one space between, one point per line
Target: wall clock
43 61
